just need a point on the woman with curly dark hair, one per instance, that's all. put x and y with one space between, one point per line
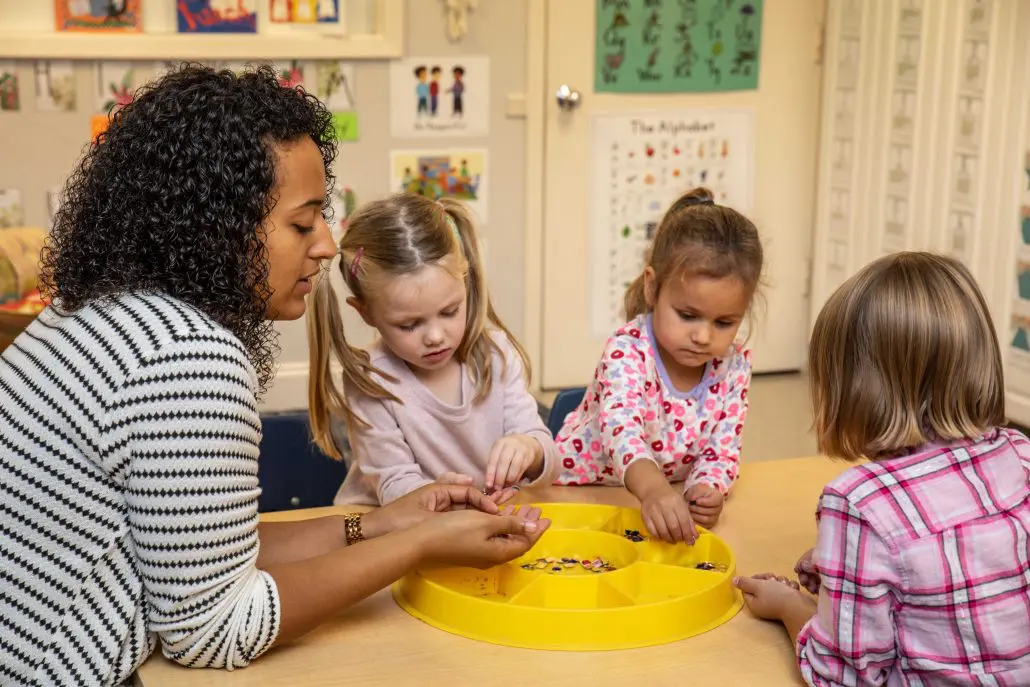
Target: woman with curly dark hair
129 427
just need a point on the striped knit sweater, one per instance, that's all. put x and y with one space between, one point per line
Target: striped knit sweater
128 496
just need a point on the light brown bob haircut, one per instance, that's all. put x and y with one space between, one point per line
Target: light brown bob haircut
904 353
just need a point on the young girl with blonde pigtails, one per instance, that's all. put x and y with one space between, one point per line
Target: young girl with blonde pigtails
443 393
669 397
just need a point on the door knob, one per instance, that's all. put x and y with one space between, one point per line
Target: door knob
567 97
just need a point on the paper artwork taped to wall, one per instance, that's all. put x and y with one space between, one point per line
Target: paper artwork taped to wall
459 174
440 97
11 210
10 94
114 85
677 47
55 86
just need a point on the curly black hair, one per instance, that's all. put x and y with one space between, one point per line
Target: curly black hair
173 196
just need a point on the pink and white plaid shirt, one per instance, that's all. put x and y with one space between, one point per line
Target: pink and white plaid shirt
925 566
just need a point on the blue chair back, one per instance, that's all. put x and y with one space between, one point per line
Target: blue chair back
565 402
292 471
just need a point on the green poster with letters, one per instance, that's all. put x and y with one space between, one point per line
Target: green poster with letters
677 46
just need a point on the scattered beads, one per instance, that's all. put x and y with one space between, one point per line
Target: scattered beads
706 565
557 565
634 536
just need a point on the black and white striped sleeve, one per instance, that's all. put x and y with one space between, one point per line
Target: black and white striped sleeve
187 430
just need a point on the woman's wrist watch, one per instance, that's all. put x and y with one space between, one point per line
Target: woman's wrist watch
352 528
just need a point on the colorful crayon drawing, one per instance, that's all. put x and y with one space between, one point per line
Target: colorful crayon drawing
216 16
303 11
98 15
10 96
458 174
440 97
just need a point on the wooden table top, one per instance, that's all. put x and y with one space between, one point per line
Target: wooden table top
768 521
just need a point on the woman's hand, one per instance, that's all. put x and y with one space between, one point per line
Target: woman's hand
478 540
808 574
500 496
456 478
705 502
425 502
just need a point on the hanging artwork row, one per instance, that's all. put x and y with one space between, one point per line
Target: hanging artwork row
195 16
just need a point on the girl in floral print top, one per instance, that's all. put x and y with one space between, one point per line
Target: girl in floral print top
669 397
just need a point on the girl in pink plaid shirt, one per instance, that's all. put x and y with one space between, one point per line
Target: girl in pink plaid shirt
922 560
669 396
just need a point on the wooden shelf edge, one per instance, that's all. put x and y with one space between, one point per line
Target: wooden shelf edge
145 46
388 43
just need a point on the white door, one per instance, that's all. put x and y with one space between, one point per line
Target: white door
785 116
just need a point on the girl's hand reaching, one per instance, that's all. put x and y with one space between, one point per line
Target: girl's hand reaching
772 597
511 458
705 503
667 516
500 496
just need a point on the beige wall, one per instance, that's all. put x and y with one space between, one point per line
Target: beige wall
38 149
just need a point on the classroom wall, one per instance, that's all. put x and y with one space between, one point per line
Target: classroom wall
38 149
497 30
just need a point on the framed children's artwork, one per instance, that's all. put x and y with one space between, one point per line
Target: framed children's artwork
304 11
116 16
455 173
217 16
440 97
332 82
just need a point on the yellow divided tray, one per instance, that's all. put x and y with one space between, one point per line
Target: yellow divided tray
642 593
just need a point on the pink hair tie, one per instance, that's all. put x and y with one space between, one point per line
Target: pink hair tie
356 262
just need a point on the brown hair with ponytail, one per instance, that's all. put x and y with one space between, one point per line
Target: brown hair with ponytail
696 237
386 239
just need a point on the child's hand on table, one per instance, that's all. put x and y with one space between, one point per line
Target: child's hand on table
770 596
808 574
667 516
773 597
511 458
705 503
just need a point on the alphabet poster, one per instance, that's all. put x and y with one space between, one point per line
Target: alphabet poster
661 46
440 97
642 163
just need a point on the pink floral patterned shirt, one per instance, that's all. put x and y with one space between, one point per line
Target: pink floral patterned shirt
632 412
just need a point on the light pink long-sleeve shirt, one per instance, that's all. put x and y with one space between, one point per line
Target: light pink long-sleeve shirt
410 444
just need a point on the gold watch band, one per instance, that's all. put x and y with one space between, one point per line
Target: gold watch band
352 528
